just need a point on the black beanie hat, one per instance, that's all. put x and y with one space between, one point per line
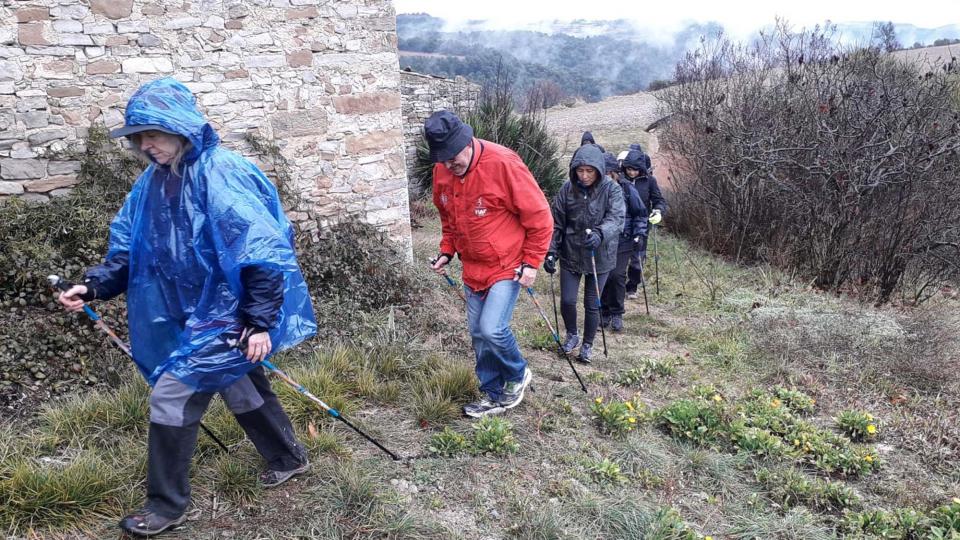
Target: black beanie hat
446 135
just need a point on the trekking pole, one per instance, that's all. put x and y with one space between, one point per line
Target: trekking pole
643 284
330 410
59 283
656 263
450 281
596 283
556 336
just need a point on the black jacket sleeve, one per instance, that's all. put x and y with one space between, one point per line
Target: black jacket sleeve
656 198
109 279
559 210
262 296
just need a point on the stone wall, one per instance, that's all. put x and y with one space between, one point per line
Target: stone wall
318 77
424 94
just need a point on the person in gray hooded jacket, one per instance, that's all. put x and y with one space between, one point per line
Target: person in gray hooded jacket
587 221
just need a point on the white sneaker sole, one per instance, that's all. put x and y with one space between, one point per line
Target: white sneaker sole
527 379
489 412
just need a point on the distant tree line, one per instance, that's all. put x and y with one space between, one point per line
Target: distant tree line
554 67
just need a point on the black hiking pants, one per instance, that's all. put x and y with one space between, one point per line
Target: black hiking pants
175 413
614 291
569 287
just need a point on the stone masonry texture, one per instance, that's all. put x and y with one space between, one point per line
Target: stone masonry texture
318 78
422 95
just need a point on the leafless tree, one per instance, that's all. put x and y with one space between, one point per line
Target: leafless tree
840 164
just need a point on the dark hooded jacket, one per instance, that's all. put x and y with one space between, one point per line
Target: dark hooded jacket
587 138
182 246
635 217
646 183
576 208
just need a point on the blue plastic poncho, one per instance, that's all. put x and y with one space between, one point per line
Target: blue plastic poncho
188 239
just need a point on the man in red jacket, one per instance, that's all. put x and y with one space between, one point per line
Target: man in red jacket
496 218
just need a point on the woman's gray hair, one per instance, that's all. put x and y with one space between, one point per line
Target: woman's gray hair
183 146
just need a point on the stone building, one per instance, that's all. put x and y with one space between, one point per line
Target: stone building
320 78
422 95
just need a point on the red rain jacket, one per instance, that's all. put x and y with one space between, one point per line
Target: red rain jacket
495 217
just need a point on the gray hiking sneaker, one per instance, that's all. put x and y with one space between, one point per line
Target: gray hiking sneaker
616 323
513 391
483 407
571 342
604 320
633 296
586 350
147 523
273 478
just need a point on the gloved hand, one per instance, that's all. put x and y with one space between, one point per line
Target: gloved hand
550 263
593 240
655 217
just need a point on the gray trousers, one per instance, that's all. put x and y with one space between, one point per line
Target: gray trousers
175 413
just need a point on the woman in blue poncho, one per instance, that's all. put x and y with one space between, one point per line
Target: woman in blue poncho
206 257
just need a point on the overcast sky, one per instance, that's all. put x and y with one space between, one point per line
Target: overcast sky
739 17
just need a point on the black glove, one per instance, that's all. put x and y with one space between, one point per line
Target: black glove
550 263
593 240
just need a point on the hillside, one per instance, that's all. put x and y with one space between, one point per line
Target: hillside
719 339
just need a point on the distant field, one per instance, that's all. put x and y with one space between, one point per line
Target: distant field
930 54
429 55
615 122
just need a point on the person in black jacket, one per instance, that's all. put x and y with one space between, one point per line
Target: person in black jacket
587 221
636 169
587 138
634 229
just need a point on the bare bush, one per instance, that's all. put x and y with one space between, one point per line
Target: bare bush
839 164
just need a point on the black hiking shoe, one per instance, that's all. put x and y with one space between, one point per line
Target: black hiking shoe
483 407
147 523
513 391
616 323
273 478
571 342
585 351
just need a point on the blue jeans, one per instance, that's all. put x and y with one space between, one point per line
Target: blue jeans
498 357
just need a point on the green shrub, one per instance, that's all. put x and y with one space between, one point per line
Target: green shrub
495 120
448 443
758 442
857 425
43 348
695 421
493 435
354 268
668 525
789 487
618 417
795 400
647 370
605 471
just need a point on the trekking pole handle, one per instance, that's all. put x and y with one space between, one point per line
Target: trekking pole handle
63 285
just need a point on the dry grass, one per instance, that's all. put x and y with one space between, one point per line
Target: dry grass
731 328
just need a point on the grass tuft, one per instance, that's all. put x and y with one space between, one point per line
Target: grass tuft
35 495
